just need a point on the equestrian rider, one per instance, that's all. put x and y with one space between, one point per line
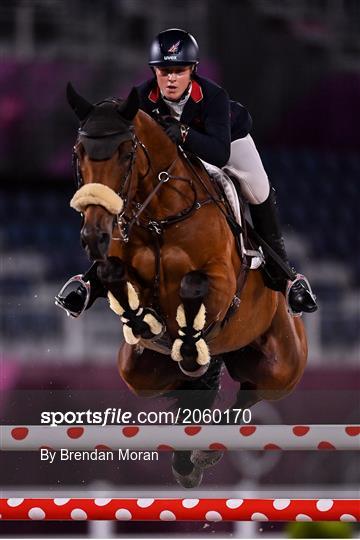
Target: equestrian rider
197 114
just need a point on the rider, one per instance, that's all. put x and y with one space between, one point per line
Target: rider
197 114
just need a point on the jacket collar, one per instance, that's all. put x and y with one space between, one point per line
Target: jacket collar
154 94
196 92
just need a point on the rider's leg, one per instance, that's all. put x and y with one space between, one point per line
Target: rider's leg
246 165
80 292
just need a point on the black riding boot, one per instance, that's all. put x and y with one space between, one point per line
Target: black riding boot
80 292
267 224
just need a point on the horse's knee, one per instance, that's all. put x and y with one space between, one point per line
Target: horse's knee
146 372
194 285
133 369
138 384
127 357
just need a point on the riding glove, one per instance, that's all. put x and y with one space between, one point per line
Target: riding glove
174 129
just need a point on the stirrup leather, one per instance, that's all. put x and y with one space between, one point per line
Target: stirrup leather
287 292
58 298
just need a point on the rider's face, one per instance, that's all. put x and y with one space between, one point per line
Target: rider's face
173 80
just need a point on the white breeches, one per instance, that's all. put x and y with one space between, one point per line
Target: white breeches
245 164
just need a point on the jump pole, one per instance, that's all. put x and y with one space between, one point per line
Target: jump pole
249 437
180 437
181 509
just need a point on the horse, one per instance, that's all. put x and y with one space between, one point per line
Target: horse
154 222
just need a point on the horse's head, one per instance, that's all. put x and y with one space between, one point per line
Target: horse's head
103 157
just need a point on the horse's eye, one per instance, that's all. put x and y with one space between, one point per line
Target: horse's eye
127 157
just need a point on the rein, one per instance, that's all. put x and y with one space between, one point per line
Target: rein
163 177
159 225
235 227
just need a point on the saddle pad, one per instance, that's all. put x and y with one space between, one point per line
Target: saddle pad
231 195
229 189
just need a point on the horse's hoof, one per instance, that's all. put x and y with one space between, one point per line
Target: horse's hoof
191 480
206 458
201 370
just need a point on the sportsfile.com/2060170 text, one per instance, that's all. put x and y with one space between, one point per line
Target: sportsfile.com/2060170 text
119 416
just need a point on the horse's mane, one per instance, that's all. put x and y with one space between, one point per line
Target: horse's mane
143 119
143 116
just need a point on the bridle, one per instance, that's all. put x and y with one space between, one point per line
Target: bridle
135 213
123 221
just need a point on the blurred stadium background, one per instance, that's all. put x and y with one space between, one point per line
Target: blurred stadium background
295 64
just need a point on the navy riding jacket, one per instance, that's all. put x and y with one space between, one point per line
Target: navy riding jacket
213 119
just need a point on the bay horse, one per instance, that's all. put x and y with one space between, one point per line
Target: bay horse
165 252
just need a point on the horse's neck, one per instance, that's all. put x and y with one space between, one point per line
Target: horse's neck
163 155
157 143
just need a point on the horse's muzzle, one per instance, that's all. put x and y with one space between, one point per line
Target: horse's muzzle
96 242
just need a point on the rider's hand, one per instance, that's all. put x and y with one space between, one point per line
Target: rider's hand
174 129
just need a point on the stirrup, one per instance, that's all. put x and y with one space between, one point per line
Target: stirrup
58 298
287 292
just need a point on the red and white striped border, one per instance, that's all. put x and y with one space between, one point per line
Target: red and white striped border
170 437
181 509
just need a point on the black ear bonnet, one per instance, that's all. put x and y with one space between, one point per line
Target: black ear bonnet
104 130
105 125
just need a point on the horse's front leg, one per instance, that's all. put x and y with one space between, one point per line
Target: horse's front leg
138 322
190 349
205 298
146 372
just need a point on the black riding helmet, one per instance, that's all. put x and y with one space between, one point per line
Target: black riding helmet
174 47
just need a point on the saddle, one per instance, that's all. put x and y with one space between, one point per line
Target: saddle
237 207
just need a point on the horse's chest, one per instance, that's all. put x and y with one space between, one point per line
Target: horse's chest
143 261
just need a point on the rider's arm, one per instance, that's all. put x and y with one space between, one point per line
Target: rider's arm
213 145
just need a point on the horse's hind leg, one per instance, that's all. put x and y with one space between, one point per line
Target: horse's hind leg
192 395
270 367
119 280
190 349
247 395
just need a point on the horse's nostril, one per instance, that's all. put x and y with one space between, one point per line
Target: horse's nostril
86 233
104 238
96 241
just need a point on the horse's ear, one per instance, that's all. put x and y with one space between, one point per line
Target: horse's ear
80 106
130 107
